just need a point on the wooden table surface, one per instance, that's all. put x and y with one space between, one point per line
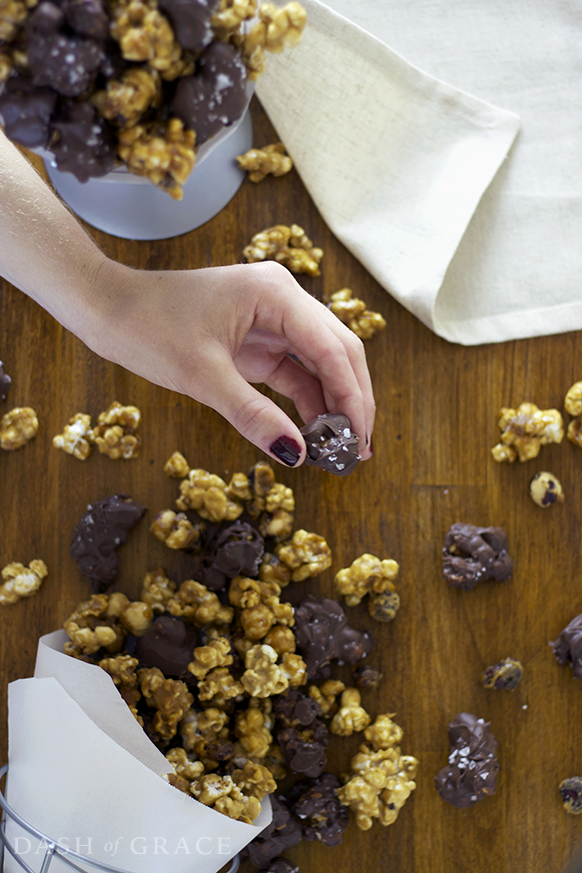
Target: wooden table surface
437 412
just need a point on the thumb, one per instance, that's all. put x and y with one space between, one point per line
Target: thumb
255 416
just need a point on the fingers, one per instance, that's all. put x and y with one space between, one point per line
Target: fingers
299 385
326 346
255 416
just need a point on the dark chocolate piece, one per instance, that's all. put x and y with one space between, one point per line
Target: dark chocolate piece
316 805
283 833
331 444
571 794
191 21
471 773
304 750
367 677
5 382
87 18
322 633
85 146
295 709
168 644
503 676
215 95
236 551
67 64
26 112
281 865
474 554
99 532
568 647
46 20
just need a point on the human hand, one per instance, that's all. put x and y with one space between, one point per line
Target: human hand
209 333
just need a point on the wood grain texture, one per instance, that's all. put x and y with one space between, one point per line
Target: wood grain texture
436 423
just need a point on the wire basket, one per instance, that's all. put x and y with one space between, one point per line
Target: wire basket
54 848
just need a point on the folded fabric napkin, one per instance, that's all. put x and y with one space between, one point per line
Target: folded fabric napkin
400 164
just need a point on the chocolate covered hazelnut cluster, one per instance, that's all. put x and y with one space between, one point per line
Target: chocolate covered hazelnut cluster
230 680
138 82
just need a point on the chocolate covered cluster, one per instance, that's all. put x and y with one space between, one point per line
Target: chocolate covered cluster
139 82
474 554
568 647
331 444
471 771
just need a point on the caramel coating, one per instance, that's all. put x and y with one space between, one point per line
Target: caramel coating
17 428
175 530
206 658
231 14
165 154
525 430
289 246
157 590
353 313
381 777
121 668
92 626
326 695
307 554
137 618
144 34
177 466
21 581
573 399
252 730
77 437
351 716
276 28
12 14
206 493
184 767
263 677
270 160
169 697
255 780
219 683
194 602
366 574
114 434
125 100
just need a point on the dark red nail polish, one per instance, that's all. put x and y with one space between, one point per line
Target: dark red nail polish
286 450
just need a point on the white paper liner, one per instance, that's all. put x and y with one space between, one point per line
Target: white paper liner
83 772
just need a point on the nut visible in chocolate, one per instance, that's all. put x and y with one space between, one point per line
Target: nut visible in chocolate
98 534
474 554
545 490
331 444
323 634
504 676
568 647
471 772
316 805
571 794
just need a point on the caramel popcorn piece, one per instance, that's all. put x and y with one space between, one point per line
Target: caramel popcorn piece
21 581
177 466
157 590
125 100
144 34
184 767
114 434
137 618
91 627
352 312
525 430
293 669
282 639
276 28
252 730
262 677
272 569
259 163
77 437
219 683
121 668
289 246
307 554
12 14
381 779
194 602
176 530
573 405
366 574
165 154
351 717
206 493
170 698
255 780
206 658
17 428
231 14
326 695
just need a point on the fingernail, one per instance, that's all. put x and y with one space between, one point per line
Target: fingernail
286 450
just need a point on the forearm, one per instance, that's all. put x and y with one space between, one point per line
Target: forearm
44 251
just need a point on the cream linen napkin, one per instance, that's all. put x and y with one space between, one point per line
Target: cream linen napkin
395 160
